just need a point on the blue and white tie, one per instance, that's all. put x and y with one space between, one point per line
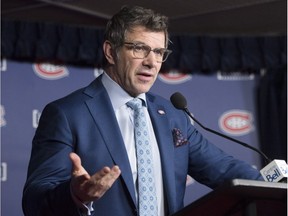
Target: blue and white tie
146 187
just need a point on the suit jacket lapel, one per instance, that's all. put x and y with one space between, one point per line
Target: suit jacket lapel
164 138
103 114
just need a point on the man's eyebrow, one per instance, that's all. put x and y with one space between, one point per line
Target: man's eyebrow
143 43
139 42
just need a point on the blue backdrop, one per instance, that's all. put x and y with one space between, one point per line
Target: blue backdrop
225 103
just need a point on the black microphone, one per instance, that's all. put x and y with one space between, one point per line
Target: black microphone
179 102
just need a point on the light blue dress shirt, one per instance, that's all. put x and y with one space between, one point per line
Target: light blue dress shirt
124 115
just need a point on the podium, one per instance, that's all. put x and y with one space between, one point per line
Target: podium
241 197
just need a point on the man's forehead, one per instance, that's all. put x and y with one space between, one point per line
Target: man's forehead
145 35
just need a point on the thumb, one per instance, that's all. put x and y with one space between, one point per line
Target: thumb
77 168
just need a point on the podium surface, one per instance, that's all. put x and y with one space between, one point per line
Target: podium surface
241 197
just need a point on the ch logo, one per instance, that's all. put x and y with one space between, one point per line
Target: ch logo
236 122
2 116
50 71
36 114
174 77
3 172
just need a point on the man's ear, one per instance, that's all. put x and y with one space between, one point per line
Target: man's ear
108 52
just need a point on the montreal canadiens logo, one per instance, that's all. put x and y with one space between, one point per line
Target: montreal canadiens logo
50 71
174 77
236 122
2 116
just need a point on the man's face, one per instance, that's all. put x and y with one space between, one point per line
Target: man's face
134 75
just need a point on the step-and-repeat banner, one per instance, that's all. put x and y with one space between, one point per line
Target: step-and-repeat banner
222 102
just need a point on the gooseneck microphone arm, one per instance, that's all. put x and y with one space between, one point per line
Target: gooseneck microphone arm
179 102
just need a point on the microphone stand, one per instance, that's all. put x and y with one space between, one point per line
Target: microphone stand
267 160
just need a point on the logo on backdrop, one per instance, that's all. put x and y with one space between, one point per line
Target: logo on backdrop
3 64
50 71
235 76
2 116
3 172
174 77
35 117
236 122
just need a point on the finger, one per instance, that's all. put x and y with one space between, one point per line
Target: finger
115 171
104 179
103 172
114 174
96 186
107 176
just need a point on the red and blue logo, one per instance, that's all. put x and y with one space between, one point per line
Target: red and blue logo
50 71
236 122
174 77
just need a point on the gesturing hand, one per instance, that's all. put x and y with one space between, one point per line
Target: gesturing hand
90 188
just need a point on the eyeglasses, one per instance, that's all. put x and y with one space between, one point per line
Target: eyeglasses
141 51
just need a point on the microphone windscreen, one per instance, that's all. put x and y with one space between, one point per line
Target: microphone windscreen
178 100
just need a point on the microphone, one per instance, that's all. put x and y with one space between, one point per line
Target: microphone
274 171
179 102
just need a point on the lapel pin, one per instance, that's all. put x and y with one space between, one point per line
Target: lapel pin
161 112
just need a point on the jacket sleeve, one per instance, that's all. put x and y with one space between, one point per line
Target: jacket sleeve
47 188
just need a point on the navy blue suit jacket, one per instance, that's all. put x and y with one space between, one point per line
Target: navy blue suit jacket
84 122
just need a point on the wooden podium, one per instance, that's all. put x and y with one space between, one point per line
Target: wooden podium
241 198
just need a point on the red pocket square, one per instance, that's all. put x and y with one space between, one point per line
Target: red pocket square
178 138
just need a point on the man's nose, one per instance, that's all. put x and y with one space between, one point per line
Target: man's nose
150 60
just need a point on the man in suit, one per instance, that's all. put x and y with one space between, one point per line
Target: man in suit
84 160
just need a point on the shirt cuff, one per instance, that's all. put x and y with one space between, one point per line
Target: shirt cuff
86 209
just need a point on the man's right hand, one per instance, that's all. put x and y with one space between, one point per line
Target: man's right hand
90 188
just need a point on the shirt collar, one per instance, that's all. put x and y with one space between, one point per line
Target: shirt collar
118 96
